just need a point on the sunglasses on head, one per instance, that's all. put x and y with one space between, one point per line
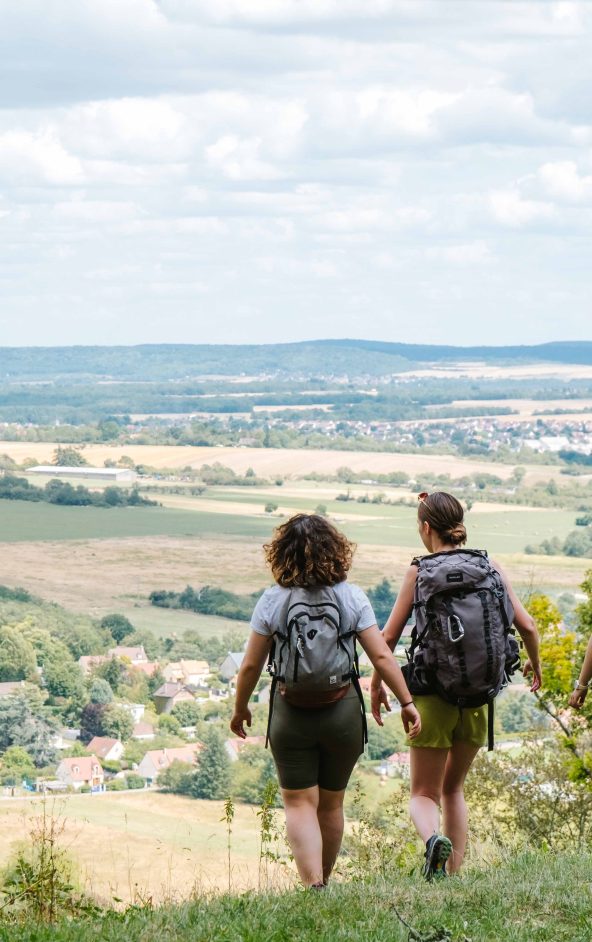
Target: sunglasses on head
421 497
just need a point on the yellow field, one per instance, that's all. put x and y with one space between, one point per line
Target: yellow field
289 462
145 844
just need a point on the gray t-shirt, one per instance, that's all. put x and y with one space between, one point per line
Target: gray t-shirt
355 603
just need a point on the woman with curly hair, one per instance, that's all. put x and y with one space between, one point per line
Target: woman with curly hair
316 731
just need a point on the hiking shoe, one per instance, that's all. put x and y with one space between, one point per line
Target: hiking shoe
438 850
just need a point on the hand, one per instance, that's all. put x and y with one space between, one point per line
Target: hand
411 720
379 697
577 698
537 676
237 723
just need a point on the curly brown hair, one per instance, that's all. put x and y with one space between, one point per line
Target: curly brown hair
309 551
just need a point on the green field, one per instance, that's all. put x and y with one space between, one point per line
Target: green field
165 622
506 531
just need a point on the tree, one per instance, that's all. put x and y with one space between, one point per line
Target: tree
63 678
211 780
177 779
270 507
100 691
321 510
560 650
188 713
23 723
168 724
67 456
16 764
112 671
17 655
91 721
252 773
119 626
118 722
382 598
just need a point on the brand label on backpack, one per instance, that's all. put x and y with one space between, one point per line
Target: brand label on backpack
454 577
333 679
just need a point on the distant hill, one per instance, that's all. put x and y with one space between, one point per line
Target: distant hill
182 361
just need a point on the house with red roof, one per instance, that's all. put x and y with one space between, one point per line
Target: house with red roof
157 760
81 770
110 750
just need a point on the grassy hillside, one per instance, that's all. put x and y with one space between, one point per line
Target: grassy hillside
528 898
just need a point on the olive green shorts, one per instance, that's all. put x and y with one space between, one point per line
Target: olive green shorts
316 747
442 724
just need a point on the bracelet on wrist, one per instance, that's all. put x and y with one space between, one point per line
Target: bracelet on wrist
580 686
409 703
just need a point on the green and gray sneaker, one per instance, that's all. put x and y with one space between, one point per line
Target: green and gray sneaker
438 850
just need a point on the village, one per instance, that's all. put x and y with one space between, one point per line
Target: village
103 763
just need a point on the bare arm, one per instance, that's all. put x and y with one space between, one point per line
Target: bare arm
248 675
393 630
527 629
579 695
402 609
385 664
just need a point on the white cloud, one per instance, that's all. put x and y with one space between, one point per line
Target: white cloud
562 181
37 158
335 159
469 253
239 159
509 208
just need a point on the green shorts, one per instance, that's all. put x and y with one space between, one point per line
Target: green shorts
316 747
442 724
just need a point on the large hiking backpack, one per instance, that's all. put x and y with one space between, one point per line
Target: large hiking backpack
314 648
462 646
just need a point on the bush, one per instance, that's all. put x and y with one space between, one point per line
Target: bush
133 780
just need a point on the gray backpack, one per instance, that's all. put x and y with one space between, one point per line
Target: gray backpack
462 646
314 647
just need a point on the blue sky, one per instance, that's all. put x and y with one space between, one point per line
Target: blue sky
275 170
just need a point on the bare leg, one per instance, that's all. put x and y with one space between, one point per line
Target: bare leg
304 832
330 815
454 806
427 775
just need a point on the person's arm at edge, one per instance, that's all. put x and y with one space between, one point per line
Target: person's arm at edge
578 696
527 629
393 630
248 675
383 661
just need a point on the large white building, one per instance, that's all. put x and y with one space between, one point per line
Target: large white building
84 472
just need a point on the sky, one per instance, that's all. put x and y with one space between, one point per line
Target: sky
249 171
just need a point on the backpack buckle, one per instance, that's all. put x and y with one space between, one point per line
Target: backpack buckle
456 631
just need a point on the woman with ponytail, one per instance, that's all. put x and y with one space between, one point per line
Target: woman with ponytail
451 736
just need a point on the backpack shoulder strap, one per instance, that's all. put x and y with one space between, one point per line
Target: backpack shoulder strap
281 631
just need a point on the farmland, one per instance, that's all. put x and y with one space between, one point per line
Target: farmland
294 463
114 558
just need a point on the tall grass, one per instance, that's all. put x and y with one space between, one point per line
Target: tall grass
525 898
